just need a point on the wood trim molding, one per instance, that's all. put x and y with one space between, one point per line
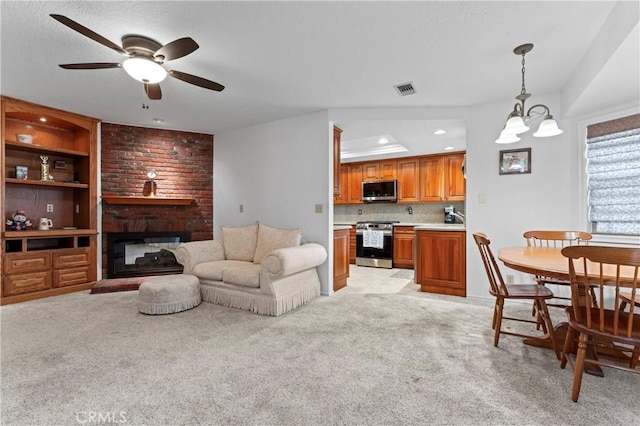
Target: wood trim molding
157 201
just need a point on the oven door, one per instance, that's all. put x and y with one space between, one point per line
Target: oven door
372 256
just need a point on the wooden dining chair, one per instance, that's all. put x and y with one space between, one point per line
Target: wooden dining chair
626 297
609 270
556 239
501 291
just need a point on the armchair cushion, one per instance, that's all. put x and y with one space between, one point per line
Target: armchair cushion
240 241
270 238
215 270
247 276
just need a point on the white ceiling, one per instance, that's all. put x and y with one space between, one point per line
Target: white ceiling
282 59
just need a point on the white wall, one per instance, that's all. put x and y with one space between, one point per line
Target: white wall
278 171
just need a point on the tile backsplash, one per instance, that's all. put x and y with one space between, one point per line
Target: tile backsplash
422 212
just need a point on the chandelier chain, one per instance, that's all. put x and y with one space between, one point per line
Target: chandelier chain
523 90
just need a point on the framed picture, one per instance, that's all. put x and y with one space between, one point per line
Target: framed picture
22 172
515 161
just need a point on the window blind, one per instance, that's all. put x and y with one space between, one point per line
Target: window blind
613 176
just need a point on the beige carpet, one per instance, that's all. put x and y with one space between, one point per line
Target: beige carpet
363 359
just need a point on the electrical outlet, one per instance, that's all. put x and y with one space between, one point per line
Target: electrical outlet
241 208
509 279
318 208
49 208
77 208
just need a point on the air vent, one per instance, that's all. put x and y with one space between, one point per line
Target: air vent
405 89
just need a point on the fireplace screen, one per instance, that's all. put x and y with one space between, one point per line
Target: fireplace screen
135 254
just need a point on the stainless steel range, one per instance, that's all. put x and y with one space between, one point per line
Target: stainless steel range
374 243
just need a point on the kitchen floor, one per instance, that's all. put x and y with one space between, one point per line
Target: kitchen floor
365 279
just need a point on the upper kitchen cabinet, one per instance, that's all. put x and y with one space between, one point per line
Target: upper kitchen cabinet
408 171
455 182
354 177
441 178
341 198
337 184
379 170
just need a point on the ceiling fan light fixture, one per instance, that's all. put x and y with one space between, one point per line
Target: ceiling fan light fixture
144 70
548 128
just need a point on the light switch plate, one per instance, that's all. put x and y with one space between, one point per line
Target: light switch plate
318 208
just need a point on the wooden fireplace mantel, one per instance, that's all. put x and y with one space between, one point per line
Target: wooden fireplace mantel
140 200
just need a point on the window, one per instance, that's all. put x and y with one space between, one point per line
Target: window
613 176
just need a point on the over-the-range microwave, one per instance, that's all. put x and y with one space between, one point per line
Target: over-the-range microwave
379 190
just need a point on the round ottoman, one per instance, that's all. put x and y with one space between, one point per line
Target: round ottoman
168 294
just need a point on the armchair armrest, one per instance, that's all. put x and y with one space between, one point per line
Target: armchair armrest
194 252
287 261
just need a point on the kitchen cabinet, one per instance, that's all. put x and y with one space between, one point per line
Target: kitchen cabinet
408 172
403 246
354 177
455 182
337 182
352 245
379 170
342 197
441 262
40 263
441 178
340 258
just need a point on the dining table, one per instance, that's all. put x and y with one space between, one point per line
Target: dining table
550 262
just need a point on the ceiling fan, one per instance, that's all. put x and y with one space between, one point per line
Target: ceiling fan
144 59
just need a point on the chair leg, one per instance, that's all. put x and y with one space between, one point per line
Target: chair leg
568 345
635 357
579 367
498 321
548 326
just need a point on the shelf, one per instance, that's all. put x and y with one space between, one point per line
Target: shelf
48 234
155 201
44 149
46 183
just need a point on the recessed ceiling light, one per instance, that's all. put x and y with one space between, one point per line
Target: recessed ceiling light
383 141
43 119
158 120
440 132
449 148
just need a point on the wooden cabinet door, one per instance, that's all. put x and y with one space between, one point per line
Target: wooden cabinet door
440 262
370 171
388 170
403 242
431 178
354 193
352 245
454 189
342 197
408 180
336 160
340 258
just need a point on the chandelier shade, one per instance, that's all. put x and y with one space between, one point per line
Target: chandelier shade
518 121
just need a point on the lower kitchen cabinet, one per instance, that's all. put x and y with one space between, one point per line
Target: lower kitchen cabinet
403 242
340 258
441 262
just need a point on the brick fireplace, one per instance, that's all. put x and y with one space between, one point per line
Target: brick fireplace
184 164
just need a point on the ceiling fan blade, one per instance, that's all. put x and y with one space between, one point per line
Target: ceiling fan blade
153 91
91 66
88 33
197 81
176 49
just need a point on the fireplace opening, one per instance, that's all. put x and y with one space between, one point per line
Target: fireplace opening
137 254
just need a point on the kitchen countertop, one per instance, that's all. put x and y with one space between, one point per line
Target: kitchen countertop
341 227
418 226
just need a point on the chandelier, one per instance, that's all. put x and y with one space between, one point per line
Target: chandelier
517 120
